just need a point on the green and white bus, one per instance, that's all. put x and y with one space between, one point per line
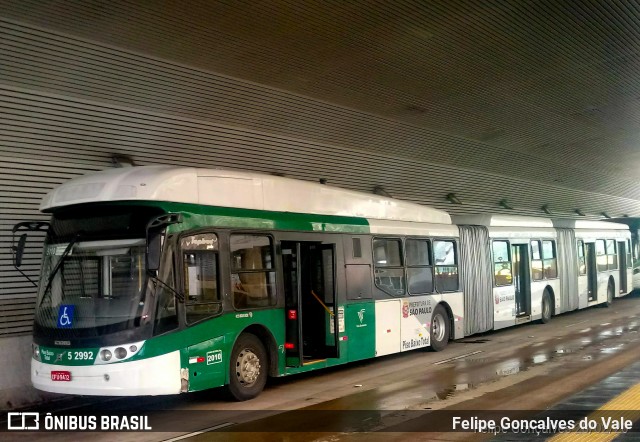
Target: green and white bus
160 280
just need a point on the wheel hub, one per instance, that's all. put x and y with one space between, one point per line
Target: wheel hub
438 327
247 367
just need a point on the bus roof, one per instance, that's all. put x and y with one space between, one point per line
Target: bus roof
502 221
229 188
535 222
587 224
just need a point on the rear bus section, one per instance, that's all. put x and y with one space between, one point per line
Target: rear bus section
540 267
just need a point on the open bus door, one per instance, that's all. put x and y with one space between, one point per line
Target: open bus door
312 326
521 278
592 271
622 265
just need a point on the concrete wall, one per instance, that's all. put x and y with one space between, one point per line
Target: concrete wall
15 381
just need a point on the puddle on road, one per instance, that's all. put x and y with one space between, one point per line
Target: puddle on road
449 391
476 361
509 367
508 371
567 350
613 349
540 358
474 341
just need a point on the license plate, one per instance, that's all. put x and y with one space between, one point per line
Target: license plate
61 376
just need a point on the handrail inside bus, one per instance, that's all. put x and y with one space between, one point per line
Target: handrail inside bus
322 303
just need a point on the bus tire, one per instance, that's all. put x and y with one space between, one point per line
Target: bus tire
610 295
440 329
248 368
546 307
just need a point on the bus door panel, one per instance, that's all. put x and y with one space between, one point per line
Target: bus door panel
323 319
521 278
504 310
582 275
622 266
293 332
592 273
313 322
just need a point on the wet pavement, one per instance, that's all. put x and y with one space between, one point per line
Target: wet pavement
528 367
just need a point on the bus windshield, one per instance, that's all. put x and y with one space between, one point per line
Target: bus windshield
96 284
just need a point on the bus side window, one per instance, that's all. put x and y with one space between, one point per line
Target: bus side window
536 261
549 260
612 256
201 280
601 255
253 276
582 267
445 258
419 268
388 266
501 263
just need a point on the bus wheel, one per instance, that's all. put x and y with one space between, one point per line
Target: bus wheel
439 329
248 368
609 300
546 307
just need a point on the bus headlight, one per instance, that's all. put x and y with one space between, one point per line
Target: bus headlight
118 353
105 355
36 351
121 353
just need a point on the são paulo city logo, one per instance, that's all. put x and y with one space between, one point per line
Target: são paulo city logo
405 309
416 308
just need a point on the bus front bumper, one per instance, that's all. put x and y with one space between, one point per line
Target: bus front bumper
153 376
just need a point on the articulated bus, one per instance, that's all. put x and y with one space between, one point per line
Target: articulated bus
160 280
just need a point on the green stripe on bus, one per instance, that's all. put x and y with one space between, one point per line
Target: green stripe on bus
197 216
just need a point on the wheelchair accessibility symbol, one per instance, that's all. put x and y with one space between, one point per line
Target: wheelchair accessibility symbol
65 316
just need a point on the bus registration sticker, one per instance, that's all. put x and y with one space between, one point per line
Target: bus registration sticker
214 357
61 376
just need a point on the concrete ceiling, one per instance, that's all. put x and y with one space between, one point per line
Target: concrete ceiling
542 91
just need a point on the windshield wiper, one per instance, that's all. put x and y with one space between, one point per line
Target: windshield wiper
67 250
154 279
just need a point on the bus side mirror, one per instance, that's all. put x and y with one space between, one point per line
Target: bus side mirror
17 247
18 250
155 234
154 248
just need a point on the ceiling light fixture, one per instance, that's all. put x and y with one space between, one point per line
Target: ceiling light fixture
505 204
453 198
379 190
121 161
605 214
546 209
579 212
